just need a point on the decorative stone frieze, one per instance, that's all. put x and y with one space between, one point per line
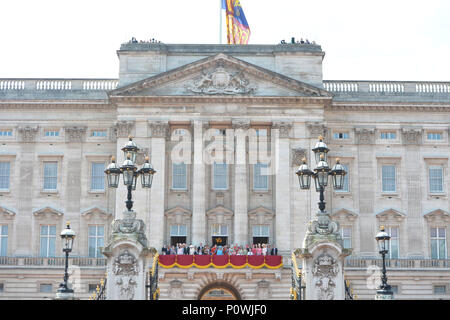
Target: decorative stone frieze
284 128
123 128
75 134
126 268
263 290
28 133
325 270
129 226
141 154
297 155
159 129
412 136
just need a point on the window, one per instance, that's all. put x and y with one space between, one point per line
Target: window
5 133
346 187
179 176
261 231
261 132
50 175
48 241
220 181
346 234
393 252
98 176
341 135
434 136
3 240
440 289
180 132
260 176
388 178
51 133
388 135
2 287
435 178
98 133
4 175
96 240
394 289
438 241
45 287
178 230
92 287
219 230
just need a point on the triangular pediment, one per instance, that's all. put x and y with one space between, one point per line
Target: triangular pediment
344 214
390 213
178 210
7 211
95 211
219 210
46 211
437 214
222 76
261 210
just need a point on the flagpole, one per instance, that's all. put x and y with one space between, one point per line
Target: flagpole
220 16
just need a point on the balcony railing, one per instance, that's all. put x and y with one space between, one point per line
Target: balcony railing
58 84
52 262
361 263
391 87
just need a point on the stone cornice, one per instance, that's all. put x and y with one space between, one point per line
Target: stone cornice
383 107
70 105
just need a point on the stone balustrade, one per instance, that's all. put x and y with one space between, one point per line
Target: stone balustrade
58 84
392 87
52 262
360 263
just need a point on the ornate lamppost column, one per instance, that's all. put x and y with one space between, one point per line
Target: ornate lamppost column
127 252
64 292
322 252
384 292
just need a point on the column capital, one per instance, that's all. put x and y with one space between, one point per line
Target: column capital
159 129
75 133
28 133
123 128
297 155
240 124
316 129
284 128
412 135
365 135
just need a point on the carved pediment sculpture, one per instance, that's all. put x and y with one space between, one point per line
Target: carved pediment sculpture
220 81
325 270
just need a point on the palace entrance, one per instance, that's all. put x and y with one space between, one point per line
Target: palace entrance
219 291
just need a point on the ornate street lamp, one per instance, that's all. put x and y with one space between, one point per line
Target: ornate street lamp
130 172
384 292
67 237
321 173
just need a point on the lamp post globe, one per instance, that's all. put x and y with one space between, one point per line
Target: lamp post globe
130 148
304 175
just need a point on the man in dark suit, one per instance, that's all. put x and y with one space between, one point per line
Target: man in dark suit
186 249
274 251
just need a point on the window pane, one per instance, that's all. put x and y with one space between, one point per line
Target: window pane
441 232
50 175
51 247
347 243
434 249
98 176
4 175
179 180
43 247
220 176
260 177
224 230
433 232
173 230
435 179
182 230
442 253
52 230
394 249
388 178
4 230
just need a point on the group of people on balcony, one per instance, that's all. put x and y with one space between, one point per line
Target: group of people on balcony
254 249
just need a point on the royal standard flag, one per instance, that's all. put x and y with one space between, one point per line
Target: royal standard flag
238 31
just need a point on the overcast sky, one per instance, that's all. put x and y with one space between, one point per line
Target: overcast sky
362 39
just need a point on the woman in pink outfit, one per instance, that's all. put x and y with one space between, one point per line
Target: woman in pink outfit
254 249
258 249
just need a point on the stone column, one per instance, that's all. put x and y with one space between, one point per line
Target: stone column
159 132
280 132
240 183
365 138
198 186
412 138
29 185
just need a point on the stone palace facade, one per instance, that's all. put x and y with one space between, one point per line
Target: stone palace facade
198 103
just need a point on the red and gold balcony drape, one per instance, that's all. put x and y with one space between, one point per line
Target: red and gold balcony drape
220 261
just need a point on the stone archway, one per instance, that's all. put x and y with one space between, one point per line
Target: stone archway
219 291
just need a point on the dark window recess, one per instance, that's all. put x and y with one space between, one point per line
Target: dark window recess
175 240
